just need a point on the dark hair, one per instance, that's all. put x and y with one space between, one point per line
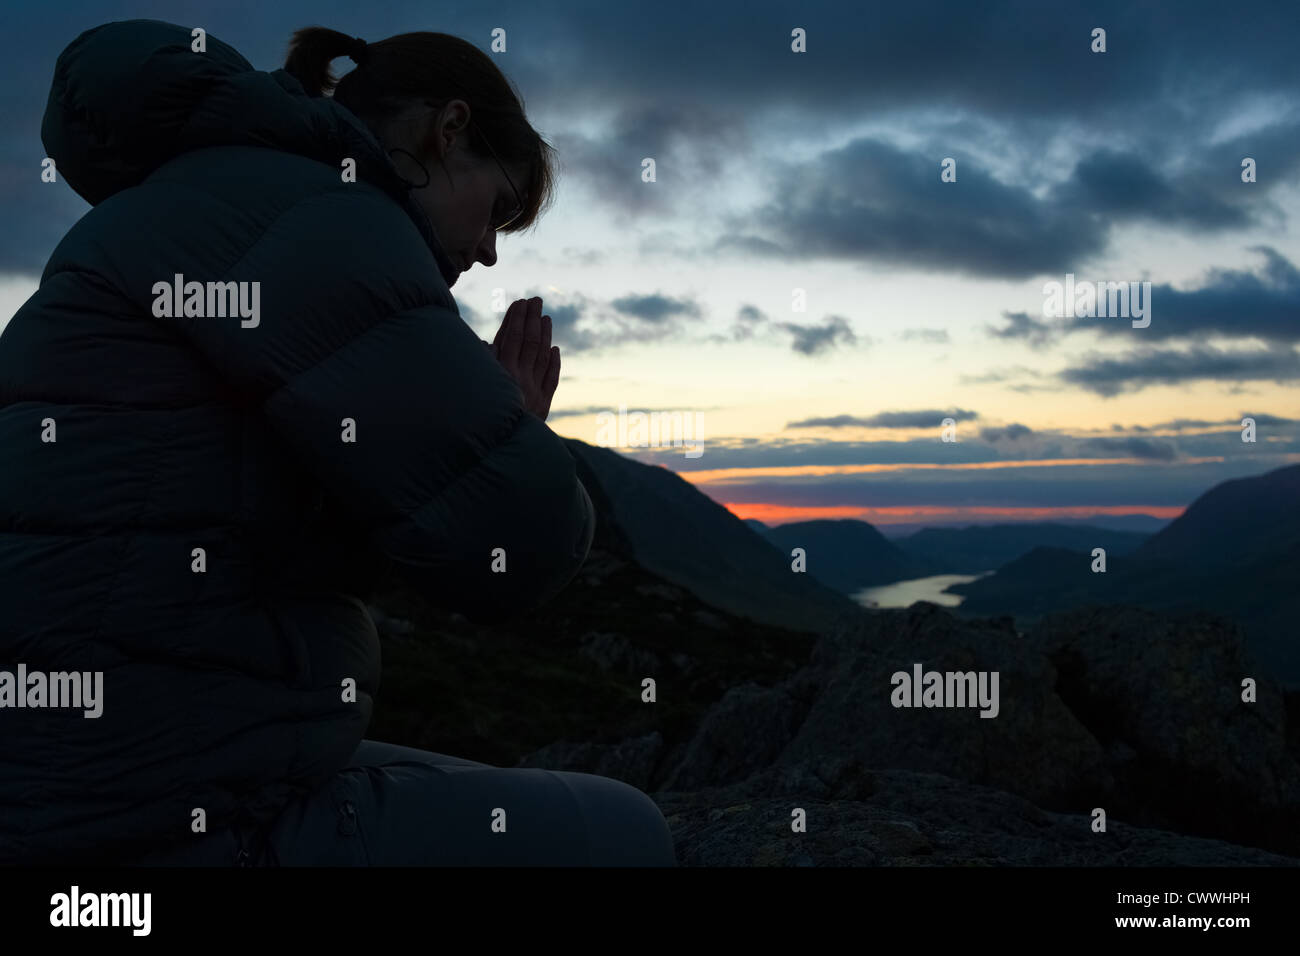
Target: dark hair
414 67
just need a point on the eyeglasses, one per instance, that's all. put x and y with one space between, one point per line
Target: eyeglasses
518 211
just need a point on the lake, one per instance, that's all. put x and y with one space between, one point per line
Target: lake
906 593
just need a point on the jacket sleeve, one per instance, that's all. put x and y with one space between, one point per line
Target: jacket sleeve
361 363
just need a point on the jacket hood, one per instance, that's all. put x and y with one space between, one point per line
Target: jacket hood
130 95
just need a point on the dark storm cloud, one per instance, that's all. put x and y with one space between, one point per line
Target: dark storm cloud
1011 74
1004 60
1125 186
1233 303
1108 376
872 200
686 141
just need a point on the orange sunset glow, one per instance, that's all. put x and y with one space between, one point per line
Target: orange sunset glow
780 514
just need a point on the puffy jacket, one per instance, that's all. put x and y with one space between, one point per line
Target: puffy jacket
199 530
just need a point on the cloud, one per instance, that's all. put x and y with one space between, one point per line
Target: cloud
869 59
921 418
655 307
1000 375
1125 186
1263 418
1022 326
607 409
575 412
1186 424
926 335
1177 74
579 325
1109 376
1233 303
870 200
815 339
564 327
688 147
1133 447
748 319
1011 432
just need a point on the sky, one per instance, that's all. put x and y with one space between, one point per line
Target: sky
847 244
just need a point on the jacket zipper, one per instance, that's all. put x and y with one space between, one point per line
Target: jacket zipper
242 855
349 824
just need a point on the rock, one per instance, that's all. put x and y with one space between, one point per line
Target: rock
742 733
613 653
841 704
915 819
1133 711
1164 693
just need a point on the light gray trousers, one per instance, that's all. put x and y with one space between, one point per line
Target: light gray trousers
397 806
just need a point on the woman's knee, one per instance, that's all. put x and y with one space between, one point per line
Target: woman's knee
624 826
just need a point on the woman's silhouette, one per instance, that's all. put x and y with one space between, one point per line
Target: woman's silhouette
242 389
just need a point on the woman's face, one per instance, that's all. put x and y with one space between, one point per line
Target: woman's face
466 193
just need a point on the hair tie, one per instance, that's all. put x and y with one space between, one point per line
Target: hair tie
358 51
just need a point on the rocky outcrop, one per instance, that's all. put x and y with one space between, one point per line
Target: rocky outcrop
858 817
1163 695
1134 712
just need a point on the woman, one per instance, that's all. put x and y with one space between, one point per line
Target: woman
242 390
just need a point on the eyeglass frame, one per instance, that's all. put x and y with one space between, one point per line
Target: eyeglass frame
519 200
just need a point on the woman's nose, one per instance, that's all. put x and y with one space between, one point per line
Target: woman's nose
486 252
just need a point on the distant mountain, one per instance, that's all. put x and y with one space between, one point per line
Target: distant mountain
654 517
1235 551
979 548
1239 520
1139 523
849 555
1038 582
756 525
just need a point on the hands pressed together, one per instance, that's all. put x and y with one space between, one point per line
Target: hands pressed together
523 347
